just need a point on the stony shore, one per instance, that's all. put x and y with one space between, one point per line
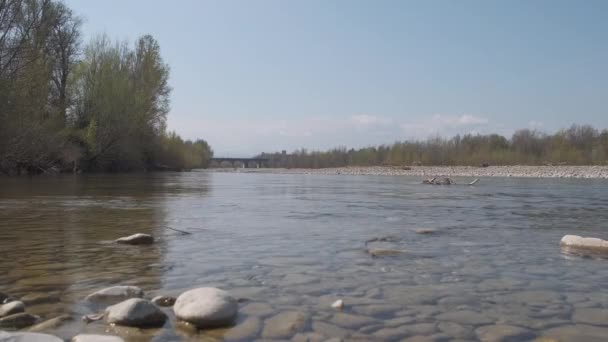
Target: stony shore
598 172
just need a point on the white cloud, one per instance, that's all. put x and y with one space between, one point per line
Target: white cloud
535 124
365 120
463 120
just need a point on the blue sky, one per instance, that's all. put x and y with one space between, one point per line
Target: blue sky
267 75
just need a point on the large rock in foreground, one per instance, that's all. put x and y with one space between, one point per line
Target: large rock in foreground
135 312
136 239
585 243
115 294
206 307
27 337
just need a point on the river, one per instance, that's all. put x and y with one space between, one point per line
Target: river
490 266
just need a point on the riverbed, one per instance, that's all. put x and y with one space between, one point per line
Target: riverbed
288 245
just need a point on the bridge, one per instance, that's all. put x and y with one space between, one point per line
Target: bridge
244 162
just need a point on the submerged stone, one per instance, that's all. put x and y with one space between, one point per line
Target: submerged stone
576 242
284 324
52 323
18 320
135 312
115 294
27 337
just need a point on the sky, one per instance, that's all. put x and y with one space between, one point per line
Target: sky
270 75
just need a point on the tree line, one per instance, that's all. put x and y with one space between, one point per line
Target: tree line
577 145
65 106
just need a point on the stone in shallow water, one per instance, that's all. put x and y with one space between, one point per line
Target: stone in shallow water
246 330
284 324
40 298
52 323
206 307
309 337
339 304
346 320
27 337
329 330
257 309
497 333
578 332
11 308
18 321
376 309
575 241
136 239
591 316
135 312
115 294
96 338
456 330
465 317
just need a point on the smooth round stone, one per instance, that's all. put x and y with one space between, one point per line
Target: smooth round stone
135 312
27 337
11 308
96 338
497 333
206 307
136 239
465 317
115 294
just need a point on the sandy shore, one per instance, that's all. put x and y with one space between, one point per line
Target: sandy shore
449 171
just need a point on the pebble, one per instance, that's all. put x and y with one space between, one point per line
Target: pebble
339 304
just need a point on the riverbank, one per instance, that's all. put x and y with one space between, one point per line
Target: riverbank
600 172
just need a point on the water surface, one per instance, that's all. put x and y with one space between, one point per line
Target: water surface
296 243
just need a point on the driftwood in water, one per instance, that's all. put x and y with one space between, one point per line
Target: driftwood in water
445 181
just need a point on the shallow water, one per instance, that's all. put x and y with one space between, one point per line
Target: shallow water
297 243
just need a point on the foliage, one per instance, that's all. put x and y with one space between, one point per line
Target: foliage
101 108
577 145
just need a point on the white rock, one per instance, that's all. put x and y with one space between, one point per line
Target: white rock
135 312
136 239
339 304
96 338
584 242
115 294
27 337
206 307
11 308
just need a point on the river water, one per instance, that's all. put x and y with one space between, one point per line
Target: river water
491 268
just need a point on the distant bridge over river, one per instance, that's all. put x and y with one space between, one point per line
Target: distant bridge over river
240 162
